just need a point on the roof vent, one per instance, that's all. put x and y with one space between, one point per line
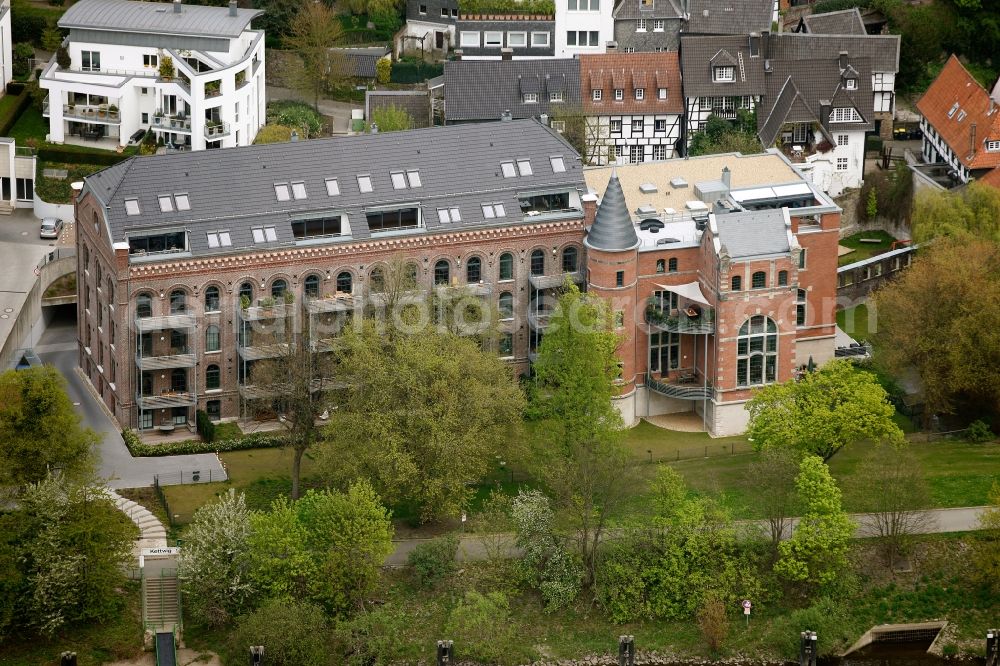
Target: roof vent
506 115
646 210
647 188
696 205
678 183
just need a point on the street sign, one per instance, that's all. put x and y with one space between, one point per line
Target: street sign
746 606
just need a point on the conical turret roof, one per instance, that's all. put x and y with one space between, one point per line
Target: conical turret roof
613 230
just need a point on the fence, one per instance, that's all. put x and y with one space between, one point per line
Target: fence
711 450
162 497
938 436
182 477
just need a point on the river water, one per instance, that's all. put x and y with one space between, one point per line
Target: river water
897 654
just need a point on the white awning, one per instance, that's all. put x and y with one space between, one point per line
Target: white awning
690 291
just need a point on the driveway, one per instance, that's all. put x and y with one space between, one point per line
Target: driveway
20 251
58 348
339 112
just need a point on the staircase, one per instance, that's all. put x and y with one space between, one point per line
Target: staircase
151 531
6 207
161 601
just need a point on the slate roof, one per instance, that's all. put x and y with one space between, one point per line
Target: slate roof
630 10
629 71
729 17
361 61
483 89
158 18
233 188
754 233
697 53
415 102
883 50
955 88
612 229
845 22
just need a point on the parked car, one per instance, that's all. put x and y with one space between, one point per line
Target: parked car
136 137
51 228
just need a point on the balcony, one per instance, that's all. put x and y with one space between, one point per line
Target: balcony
264 312
92 114
177 358
171 123
215 130
327 344
166 400
539 321
257 352
681 388
180 320
379 299
338 303
555 281
254 392
693 319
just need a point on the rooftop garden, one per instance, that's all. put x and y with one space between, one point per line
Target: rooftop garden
863 245
537 7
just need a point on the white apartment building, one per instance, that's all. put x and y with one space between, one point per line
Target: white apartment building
583 26
6 46
120 78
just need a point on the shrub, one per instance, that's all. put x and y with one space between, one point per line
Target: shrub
252 441
76 155
383 70
23 53
374 636
10 116
979 431
713 623
434 559
167 67
293 633
827 617
298 115
27 26
481 625
204 425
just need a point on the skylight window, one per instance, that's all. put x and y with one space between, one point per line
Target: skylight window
414 178
299 190
332 187
961 115
365 183
264 235
398 180
132 207
166 203
558 165
220 239
953 109
524 166
508 169
182 202
494 210
282 192
446 215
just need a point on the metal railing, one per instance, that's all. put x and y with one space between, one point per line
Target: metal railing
179 320
166 400
171 123
679 391
175 359
698 322
216 130
100 113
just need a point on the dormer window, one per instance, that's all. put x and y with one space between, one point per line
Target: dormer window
846 114
640 94
597 94
556 96
851 84
724 74
992 146
529 98
619 94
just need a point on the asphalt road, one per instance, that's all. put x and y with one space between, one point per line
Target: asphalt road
58 347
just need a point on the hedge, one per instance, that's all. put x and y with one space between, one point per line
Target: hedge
204 425
9 118
253 441
415 72
98 157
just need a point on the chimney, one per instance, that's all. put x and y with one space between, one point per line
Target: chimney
544 119
507 53
611 46
843 60
232 7
506 115
294 137
754 45
727 178
177 6
765 45
972 139
458 54
824 113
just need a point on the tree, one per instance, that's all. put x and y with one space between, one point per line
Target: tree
392 119
481 624
930 320
52 39
293 633
578 450
383 70
548 566
816 553
579 130
326 548
214 564
986 553
771 481
427 414
314 30
64 552
277 19
966 215
723 136
273 134
22 56
890 487
822 412
40 432
871 206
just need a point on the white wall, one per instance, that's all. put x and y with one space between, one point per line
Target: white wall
567 20
6 49
824 165
648 137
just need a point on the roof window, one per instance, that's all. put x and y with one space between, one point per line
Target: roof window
508 169
365 183
524 166
414 178
264 235
961 115
332 187
953 109
219 239
398 180
446 215
282 192
558 165
299 190
166 203
132 207
182 202
494 210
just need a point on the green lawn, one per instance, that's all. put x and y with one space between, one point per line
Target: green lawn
864 250
856 322
649 441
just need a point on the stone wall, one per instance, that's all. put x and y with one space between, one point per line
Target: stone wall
851 223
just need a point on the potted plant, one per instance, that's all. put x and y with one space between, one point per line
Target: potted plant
113 108
289 298
267 304
244 302
167 70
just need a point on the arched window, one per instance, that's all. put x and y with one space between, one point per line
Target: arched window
442 272
178 301
246 290
661 266
758 280
212 342
506 305
212 300
737 283
672 265
278 288
179 380
311 285
757 352
800 308
506 266
570 256
213 377
782 278
143 306
345 282
376 280
473 270
538 262
411 275
111 290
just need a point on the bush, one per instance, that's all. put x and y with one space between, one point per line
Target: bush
10 116
299 115
828 618
480 624
27 27
23 53
713 623
252 441
293 634
979 431
76 155
374 636
383 70
204 425
434 559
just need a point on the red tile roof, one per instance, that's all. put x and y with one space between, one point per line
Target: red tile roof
957 94
627 72
991 178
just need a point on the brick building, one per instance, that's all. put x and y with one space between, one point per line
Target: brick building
186 259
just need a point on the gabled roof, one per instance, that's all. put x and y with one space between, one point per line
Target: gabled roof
697 53
729 17
612 230
627 10
157 18
629 71
953 104
234 188
788 107
483 89
845 22
883 50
